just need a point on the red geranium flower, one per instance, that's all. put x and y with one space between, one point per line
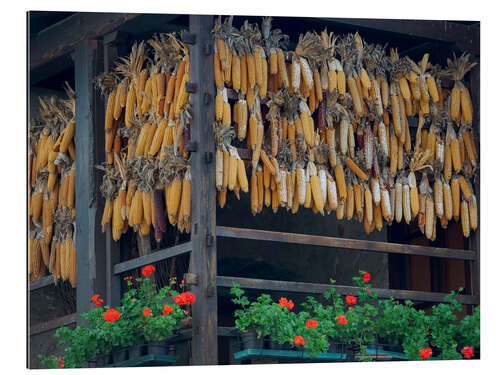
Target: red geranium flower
111 315
467 352
182 282
189 298
351 300
60 363
341 319
148 270
94 297
366 277
289 305
146 312
99 302
425 353
351 308
283 301
299 340
167 309
179 299
311 323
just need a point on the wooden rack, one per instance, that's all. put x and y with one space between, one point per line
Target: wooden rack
94 47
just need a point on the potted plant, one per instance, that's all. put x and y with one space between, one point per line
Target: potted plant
140 325
354 323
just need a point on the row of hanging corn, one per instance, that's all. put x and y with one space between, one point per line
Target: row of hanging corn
147 172
51 190
337 115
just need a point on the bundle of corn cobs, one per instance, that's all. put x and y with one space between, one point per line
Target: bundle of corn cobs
51 190
328 128
147 172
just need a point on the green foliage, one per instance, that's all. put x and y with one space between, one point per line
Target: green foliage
101 337
368 320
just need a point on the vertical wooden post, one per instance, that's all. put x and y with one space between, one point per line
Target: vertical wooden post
474 241
113 47
204 253
90 255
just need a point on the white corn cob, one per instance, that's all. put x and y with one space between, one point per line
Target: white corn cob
406 203
375 188
322 183
332 193
398 211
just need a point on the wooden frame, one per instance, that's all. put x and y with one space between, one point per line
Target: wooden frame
204 230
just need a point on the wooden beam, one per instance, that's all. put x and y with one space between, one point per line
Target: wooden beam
154 257
114 45
203 260
90 242
466 37
298 287
41 283
346 243
52 324
63 37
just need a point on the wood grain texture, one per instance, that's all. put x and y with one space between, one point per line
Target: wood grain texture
203 260
52 324
65 36
311 288
306 239
153 257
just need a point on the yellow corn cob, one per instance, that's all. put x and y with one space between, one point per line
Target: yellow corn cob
221 197
254 193
351 84
429 217
174 198
464 188
431 85
447 201
250 64
473 212
233 165
355 168
341 184
117 107
358 199
465 218
368 206
455 102
466 104
349 203
236 72
455 194
469 147
414 201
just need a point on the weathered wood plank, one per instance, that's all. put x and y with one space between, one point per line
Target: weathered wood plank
52 324
90 242
153 257
298 287
203 260
466 37
41 283
64 36
306 239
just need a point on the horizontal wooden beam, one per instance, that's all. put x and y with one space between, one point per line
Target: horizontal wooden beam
41 283
466 37
63 37
52 324
154 257
312 288
346 243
